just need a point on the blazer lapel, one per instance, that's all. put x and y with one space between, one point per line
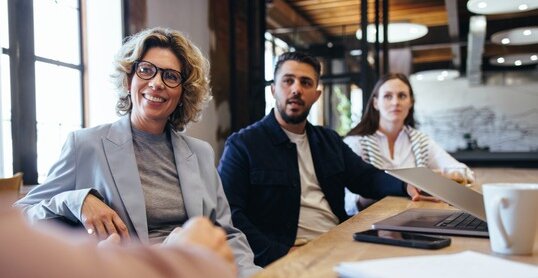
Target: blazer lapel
121 159
189 175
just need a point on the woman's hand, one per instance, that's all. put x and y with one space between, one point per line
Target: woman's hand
414 194
100 219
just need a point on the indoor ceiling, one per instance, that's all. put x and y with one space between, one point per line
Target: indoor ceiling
327 28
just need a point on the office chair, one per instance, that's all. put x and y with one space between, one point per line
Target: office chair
11 184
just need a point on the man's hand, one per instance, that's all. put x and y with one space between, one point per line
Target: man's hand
415 195
99 219
293 248
200 231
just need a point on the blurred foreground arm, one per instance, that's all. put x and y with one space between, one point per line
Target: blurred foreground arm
201 232
27 252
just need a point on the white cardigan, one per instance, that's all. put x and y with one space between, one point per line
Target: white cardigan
404 157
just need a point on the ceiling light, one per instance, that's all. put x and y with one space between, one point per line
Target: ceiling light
398 32
515 59
478 24
500 6
355 52
517 36
435 75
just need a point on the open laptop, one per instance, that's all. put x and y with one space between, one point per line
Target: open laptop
470 221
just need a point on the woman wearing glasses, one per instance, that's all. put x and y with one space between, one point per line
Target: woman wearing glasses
140 177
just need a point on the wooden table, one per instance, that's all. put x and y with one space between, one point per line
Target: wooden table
8 197
318 258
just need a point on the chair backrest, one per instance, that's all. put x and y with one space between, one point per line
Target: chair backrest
13 183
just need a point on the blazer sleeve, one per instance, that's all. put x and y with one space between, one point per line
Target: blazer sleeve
234 172
244 258
57 198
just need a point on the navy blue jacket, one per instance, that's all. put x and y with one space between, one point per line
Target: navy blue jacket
260 176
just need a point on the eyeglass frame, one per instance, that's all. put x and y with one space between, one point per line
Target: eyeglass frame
135 69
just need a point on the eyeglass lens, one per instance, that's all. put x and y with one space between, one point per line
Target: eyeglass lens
147 70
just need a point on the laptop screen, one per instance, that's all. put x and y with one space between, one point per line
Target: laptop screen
443 188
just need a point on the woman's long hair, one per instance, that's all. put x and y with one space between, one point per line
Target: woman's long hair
370 118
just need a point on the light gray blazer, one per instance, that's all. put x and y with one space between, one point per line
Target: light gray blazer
102 158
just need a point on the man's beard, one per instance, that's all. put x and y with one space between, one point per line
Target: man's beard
292 119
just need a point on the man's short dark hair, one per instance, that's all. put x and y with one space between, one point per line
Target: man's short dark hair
299 57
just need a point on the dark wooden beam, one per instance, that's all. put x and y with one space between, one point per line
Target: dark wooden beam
23 101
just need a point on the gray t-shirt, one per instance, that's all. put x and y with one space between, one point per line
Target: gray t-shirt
165 209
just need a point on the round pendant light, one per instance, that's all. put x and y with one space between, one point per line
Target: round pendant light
398 32
501 6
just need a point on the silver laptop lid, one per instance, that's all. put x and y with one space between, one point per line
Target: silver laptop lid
443 188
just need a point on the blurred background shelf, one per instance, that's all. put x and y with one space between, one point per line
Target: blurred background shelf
501 159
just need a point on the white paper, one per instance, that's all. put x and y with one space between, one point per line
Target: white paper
464 264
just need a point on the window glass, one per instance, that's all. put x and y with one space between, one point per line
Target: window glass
6 154
103 41
356 105
58 111
273 48
4 29
56 30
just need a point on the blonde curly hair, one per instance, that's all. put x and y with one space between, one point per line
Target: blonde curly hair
195 72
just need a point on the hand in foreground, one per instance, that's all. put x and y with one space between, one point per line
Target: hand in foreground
461 175
293 248
415 195
112 240
200 231
100 219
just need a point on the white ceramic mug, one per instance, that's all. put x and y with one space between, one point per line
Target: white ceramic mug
512 213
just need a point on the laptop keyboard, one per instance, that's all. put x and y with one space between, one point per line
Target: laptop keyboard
463 221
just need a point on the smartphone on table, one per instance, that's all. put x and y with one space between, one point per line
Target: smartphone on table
407 239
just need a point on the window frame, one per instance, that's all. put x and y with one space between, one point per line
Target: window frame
23 85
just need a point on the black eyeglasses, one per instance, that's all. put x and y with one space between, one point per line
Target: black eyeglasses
146 70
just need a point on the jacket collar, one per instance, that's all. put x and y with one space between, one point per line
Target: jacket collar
120 132
276 134
119 150
122 163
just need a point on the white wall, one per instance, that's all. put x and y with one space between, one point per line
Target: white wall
501 114
104 39
191 18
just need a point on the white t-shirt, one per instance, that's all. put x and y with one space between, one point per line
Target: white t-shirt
315 214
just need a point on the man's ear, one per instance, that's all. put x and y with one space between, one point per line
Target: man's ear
273 89
318 94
